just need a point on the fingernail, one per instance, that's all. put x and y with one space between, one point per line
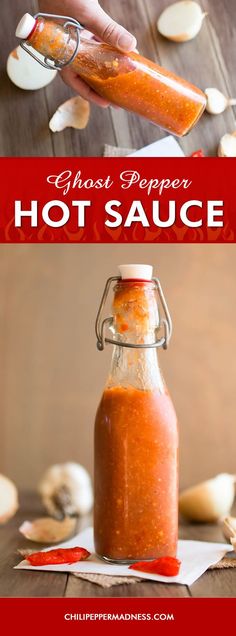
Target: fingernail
127 42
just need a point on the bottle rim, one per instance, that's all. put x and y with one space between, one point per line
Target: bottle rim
121 281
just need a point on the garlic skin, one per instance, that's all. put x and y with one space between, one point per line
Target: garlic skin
47 530
227 145
181 21
26 73
8 499
74 113
66 490
25 553
210 500
229 527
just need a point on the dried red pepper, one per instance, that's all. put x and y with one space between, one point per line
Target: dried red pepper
58 556
198 153
167 566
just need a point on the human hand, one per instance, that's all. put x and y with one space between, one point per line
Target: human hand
95 19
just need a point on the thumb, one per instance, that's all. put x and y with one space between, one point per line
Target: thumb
100 23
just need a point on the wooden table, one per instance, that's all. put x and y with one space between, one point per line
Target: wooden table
209 60
22 583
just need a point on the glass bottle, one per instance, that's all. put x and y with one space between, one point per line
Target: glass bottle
136 438
125 79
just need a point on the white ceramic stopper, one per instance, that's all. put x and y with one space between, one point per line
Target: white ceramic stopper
25 26
142 272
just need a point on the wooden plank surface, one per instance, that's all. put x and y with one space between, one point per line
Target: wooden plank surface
198 62
23 114
77 588
208 60
14 583
214 583
19 583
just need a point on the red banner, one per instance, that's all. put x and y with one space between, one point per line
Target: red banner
117 200
138 615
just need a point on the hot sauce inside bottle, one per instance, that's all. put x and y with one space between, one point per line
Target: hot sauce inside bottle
136 438
125 79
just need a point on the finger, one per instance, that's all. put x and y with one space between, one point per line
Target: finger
108 30
75 82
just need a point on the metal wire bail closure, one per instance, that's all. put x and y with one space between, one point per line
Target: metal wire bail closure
165 322
49 62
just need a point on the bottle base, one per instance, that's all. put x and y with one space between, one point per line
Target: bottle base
122 561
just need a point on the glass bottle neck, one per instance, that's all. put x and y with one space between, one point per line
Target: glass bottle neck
137 368
135 320
93 59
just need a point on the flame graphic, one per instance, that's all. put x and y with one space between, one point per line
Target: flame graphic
13 234
75 237
228 234
96 232
114 233
45 234
213 234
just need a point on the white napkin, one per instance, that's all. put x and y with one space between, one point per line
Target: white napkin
166 147
195 557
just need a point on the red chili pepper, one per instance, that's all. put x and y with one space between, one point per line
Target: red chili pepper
198 153
58 556
167 566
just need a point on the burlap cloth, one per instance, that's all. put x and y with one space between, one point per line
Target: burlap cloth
109 581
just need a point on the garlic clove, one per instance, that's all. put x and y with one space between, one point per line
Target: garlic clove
26 73
66 490
208 501
229 527
181 21
47 530
74 113
8 499
216 101
227 145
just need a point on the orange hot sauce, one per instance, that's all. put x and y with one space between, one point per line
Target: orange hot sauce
136 511
128 80
136 442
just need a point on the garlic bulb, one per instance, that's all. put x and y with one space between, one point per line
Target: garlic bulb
227 145
66 490
210 500
181 21
74 113
217 102
26 73
47 530
8 499
229 527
